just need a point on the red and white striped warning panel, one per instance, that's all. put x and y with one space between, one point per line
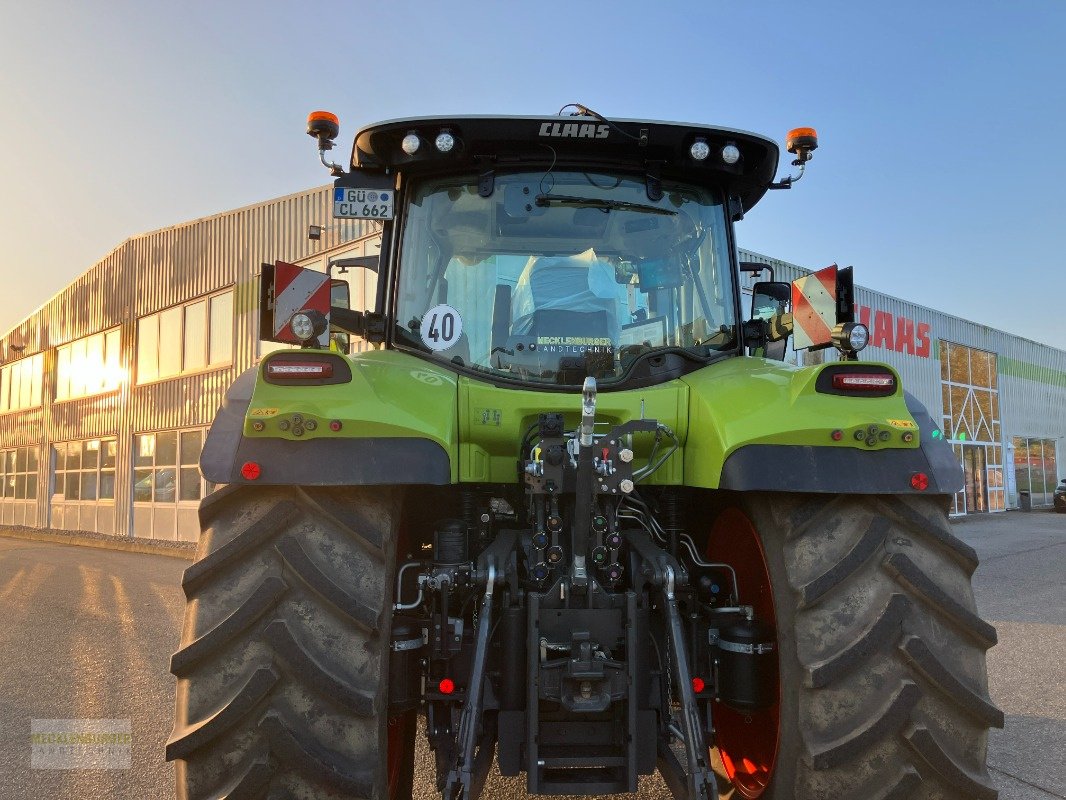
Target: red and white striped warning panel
297 289
814 308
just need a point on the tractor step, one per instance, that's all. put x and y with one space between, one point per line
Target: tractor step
582 781
592 757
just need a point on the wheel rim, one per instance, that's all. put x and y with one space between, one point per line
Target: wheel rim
746 741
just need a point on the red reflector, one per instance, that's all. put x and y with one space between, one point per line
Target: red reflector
863 381
251 471
284 368
837 435
335 425
919 481
698 685
446 686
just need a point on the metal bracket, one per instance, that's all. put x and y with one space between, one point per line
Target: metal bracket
653 182
486 179
460 781
700 777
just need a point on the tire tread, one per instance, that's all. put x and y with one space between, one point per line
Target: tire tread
308 721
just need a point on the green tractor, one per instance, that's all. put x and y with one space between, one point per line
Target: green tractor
571 511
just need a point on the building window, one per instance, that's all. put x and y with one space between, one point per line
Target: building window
85 470
970 393
89 366
1035 469
186 338
166 467
20 383
18 473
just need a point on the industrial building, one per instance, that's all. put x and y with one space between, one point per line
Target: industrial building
107 390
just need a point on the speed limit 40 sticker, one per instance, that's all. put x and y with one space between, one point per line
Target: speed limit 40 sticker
441 327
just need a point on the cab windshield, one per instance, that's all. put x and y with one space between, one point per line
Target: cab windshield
561 275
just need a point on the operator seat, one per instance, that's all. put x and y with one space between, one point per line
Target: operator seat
554 322
569 296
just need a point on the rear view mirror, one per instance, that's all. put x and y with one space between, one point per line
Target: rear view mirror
769 299
340 294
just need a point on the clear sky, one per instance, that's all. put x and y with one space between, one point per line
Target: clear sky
941 123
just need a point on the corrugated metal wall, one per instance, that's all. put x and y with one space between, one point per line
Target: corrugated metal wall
143 275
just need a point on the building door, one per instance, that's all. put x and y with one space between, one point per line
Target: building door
974 464
970 389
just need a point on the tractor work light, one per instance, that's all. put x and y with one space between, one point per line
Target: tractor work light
303 327
410 144
730 153
444 143
308 325
850 337
700 150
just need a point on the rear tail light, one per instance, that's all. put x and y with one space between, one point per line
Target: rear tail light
292 369
863 382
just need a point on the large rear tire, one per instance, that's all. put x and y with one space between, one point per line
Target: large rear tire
284 654
883 687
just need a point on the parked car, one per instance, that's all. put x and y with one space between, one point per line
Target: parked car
1060 497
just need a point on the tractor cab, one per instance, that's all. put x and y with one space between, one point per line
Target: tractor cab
545 250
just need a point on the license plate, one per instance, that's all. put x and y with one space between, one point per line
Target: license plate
354 203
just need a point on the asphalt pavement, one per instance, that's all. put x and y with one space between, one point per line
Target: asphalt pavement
87 633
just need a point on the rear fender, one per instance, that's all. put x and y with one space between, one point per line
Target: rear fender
397 426
757 425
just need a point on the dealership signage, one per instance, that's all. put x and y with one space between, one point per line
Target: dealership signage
894 332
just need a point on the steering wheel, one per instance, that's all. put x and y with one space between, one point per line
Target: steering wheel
690 241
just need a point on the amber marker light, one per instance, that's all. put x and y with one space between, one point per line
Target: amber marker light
323 125
806 138
314 116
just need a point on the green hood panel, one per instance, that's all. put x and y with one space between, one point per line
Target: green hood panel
749 400
713 411
391 394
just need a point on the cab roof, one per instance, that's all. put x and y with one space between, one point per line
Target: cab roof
658 149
